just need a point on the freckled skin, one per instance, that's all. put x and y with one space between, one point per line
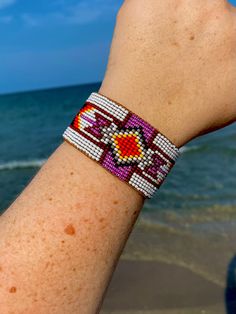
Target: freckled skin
12 290
175 69
145 71
175 44
70 230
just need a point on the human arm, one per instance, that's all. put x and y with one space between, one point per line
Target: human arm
150 73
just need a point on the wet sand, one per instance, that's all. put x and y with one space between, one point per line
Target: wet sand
182 265
156 287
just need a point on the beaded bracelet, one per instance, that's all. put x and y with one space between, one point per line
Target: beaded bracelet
123 143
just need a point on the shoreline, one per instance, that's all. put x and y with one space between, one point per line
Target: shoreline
156 287
175 269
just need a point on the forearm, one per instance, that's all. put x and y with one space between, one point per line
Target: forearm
62 237
60 240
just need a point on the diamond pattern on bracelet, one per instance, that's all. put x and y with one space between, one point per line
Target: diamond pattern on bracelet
123 143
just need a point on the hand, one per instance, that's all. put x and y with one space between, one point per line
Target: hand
174 64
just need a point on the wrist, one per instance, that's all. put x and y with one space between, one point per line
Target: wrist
122 142
145 106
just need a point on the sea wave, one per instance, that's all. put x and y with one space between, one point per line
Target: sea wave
223 149
191 239
24 164
186 149
37 163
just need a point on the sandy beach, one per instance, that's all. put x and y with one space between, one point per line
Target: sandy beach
168 269
156 287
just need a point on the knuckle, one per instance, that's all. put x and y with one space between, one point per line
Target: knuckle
120 11
125 5
125 9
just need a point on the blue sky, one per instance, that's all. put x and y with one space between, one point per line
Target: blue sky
51 43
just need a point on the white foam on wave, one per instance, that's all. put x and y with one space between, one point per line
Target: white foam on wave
17 164
186 149
37 163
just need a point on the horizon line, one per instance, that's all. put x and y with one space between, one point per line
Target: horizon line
40 89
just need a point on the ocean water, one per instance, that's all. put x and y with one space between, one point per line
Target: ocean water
190 222
31 128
